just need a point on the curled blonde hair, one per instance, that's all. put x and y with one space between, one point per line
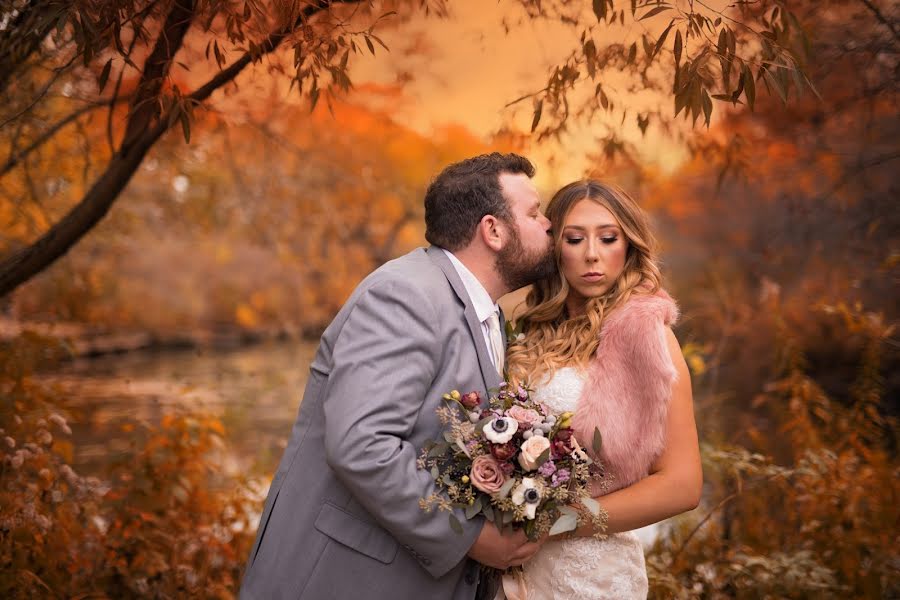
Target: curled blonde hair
552 338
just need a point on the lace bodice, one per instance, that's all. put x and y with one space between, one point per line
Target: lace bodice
583 568
561 392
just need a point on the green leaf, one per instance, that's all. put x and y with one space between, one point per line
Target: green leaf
313 98
565 522
678 47
597 442
104 75
186 127
488 512
749 86
722 46
707 107
778 84
544 457
538 107
632 53
740 88
370 45
646 44
473 509
504 491
479 426
455 525
438 449
662 38
435 473
600 9
655 12
592 505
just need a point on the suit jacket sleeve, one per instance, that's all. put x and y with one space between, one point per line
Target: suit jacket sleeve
384 360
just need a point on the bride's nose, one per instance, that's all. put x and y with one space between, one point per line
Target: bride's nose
591 255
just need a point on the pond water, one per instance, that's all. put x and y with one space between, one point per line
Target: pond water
255 391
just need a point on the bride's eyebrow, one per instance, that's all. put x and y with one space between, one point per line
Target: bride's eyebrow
597 227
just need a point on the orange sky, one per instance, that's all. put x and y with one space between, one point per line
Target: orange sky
466 69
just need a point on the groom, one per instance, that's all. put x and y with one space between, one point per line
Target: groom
342 518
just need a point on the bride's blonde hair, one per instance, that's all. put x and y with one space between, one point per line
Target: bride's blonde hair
552 338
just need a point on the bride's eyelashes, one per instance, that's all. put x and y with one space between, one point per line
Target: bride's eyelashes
572 241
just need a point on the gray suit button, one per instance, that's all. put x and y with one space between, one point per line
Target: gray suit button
426 561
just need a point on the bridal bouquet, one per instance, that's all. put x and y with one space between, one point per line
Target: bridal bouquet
512 462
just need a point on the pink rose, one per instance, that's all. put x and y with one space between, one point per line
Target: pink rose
532 450
526 417
487 475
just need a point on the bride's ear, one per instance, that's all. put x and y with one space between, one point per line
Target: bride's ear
492 232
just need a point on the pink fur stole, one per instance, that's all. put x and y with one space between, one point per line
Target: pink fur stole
629 385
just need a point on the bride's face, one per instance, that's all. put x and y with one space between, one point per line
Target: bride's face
593 252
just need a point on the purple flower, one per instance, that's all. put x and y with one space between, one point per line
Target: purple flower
547 469
560 477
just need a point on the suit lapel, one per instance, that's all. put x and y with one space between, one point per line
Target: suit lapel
488 371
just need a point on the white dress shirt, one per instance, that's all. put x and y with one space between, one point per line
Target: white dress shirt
481 300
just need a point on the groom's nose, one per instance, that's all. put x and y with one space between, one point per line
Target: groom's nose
548 227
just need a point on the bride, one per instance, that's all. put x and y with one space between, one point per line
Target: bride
596 341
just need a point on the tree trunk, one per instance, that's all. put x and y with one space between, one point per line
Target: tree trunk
27 262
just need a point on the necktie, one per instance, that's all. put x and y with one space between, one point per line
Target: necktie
498 352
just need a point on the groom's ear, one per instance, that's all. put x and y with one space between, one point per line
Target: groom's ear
491 231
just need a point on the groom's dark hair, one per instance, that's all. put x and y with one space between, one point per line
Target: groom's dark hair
466 191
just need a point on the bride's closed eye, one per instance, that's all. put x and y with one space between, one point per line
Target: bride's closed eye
606 240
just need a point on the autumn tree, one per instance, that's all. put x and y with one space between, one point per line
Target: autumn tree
151 65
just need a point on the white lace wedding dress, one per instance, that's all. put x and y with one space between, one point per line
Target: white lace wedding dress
583 568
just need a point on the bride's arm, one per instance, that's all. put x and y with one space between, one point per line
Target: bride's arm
675 479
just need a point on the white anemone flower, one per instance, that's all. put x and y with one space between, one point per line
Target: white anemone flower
528 493
501 429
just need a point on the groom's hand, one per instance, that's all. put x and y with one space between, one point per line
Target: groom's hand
502 550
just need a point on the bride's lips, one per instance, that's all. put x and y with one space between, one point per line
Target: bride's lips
592 276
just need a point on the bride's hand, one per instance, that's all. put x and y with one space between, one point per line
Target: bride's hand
502 550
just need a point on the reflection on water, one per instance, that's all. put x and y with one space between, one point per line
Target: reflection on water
255 391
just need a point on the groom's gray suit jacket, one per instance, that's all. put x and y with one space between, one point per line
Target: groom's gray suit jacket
342 518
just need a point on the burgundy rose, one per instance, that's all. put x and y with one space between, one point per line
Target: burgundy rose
564 434
470 400
504 451
487 474
508 468
560 448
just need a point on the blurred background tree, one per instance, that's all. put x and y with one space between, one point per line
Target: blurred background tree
142 63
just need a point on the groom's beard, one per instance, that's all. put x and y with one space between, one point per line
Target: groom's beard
519 268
